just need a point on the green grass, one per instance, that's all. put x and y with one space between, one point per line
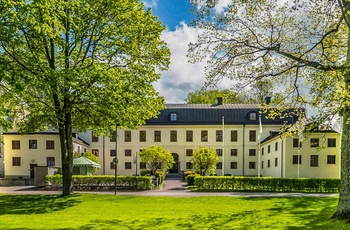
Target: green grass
88 211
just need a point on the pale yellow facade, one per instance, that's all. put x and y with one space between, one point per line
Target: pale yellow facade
242 163
19 161
316 162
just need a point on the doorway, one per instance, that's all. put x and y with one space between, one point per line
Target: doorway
175 168
32 166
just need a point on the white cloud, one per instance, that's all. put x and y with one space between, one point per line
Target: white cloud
150 3
222 4
182 76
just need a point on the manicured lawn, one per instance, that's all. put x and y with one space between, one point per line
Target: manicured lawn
88 211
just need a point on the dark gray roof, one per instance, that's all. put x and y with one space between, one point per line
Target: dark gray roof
199 114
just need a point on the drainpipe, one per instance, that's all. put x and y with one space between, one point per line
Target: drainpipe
103 155
243 148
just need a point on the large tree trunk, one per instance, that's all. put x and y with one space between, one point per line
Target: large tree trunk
66 142
343 210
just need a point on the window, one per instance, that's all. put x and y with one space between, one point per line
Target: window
50 161
251 165
173 136
112 153
262 164
188 165
332 142
296 143
95 152
16 144
262 151
78 149
189 135
127 136
252 135
128 152
252 152
276 161
276 146
268 149
234 152
233 165
189 152
142 136
113 138
204 136
268 163
33 144
173 117
16 161
234 135
50 144
219 165
94 138
112 165
127 165
330 159
218 135
219 152
157 136
142 165
314 160
295 159
252 116
314 142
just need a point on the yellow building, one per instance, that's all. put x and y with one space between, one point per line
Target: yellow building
231 129
318 154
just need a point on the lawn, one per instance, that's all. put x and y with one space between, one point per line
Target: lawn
89 211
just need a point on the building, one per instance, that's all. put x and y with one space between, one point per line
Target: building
318 154
231 129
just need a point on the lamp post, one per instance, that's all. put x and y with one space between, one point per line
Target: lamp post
135 162
115 160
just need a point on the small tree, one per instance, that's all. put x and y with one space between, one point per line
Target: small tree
88 155
156 158
204 160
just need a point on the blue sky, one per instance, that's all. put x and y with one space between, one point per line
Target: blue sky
182 76
172 12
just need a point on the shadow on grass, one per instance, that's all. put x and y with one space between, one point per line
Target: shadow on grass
29 204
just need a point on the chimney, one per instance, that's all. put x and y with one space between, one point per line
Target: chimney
267 100
219 100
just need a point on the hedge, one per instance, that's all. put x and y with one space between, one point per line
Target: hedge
265 184
102 182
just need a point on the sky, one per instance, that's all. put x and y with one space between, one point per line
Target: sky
182 76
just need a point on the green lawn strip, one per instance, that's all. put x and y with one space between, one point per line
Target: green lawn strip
91 211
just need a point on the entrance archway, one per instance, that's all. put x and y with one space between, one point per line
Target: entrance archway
176 166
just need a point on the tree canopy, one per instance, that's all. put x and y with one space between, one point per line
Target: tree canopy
301 46
79 64
204 160
156 158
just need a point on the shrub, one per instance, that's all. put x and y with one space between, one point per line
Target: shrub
265 184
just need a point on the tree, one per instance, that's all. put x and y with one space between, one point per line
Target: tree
79 64
204 161
88 155
301 46
210 97
156 158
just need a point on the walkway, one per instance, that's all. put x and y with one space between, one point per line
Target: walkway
173 186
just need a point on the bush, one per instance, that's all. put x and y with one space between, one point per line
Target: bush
102 182
265 184
190 179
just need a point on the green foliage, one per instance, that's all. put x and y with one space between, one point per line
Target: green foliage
102 182
156 158
210 97
190 179
204 161
79 64
265 184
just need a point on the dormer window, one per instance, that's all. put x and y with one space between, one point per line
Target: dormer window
252 116
173 117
